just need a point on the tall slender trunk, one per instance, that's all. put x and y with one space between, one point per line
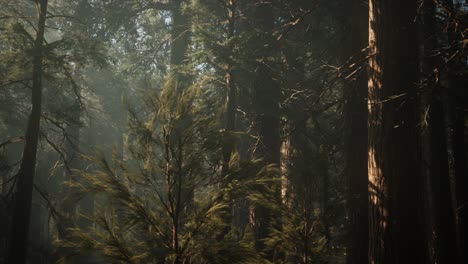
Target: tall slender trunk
459 140
71 150
231 99
180 41
296 146
229 142
443 229
267 127
444 234
180 33
457 105
23 196
325 215
355 146
396 233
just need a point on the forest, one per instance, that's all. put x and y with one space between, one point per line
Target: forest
233 131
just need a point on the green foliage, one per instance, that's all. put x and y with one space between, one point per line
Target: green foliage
301 236
165 201
163 196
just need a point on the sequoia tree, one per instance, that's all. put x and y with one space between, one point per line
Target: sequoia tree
396 233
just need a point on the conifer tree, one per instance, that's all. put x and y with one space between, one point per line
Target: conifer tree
443 227
23 196
395 190
266 96
355 131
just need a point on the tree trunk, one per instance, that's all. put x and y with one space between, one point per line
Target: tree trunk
180 40
23 196
180 34
443 229
457 105
266 99
229 142
396 233
458 140
231 102
355 137
325 210
444 223
71 152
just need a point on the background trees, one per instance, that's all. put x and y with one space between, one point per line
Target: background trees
233 131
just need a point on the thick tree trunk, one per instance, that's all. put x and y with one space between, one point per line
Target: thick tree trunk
23 196
396 233
266 99
355 136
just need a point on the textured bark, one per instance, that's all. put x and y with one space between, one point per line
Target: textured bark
355 137
23 195
266 100
396 233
